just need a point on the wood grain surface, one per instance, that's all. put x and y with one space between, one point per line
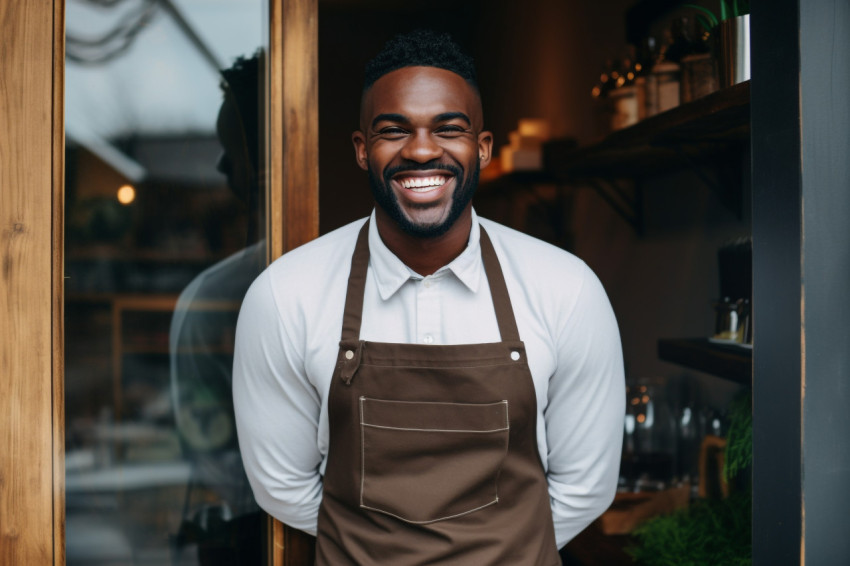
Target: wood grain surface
293 168
58 282
31 165
293 138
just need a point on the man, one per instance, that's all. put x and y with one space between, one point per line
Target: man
220 515
472 411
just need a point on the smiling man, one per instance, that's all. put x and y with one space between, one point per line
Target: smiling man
425 386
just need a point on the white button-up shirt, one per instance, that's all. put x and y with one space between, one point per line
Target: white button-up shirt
287 341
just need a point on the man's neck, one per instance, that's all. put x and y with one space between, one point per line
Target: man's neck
424 255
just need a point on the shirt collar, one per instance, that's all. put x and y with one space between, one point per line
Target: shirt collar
391 273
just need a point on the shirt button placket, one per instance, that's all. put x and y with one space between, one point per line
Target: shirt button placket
428 314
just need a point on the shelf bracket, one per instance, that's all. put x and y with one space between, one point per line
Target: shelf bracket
629 207
726 177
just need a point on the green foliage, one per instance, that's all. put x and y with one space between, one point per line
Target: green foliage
707 18
728 9
708 533
738 8
739 440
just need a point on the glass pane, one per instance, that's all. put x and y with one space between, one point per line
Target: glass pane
165 219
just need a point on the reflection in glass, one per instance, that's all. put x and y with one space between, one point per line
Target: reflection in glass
165 209
649 438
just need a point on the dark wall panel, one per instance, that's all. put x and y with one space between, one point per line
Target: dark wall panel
777 389
825 88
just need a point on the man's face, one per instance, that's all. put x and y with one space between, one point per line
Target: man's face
422 143
234 161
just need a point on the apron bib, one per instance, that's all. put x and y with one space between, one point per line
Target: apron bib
433 452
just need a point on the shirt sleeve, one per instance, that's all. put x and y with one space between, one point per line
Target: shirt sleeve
277 408
584 414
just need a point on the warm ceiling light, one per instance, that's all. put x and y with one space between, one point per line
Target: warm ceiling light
126 194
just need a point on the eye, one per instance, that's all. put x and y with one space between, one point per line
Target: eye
450 130
392 132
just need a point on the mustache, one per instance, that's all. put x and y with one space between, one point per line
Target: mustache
389 172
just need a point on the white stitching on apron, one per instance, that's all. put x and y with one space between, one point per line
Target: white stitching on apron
429 520
364 424
434 429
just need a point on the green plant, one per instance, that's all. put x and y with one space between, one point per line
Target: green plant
739 440
728 9
710 531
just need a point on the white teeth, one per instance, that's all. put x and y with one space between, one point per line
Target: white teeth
422 184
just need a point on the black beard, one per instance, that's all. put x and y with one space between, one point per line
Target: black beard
387 199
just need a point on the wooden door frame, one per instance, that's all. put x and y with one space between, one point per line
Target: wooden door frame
293 137
32 169
32 467
293 166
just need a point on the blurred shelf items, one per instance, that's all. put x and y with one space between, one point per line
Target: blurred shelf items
674 60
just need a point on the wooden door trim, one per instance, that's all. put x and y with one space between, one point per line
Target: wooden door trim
292 156
293 127
58 268
32 471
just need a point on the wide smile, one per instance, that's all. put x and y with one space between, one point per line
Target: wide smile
423 185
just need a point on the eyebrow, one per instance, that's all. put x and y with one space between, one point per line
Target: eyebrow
402 119
448 116
390 118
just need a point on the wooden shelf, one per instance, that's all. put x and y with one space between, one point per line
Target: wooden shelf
110 252
495 180
162 302
731 362
154 350
700 130
708 136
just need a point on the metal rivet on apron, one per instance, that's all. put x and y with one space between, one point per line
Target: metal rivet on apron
349 354
514 355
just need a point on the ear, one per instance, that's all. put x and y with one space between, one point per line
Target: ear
360 154
485 148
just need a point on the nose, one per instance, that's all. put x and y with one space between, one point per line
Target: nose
222 164
421 147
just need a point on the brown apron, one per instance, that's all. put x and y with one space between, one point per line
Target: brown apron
433 452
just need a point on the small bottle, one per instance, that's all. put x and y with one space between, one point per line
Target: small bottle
644 59
667 87
682 43
624 96
663 87
698 67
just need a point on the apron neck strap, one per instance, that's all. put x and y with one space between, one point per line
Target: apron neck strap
353 314
498 289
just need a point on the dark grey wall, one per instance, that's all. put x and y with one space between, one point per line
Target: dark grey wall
801 203
777 388
825 94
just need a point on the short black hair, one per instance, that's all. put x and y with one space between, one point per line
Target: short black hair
242 82
421 48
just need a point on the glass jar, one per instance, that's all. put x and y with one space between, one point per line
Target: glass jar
649 440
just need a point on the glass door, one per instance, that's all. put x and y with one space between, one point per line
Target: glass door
165 229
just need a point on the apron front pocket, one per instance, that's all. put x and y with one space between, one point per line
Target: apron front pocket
424 462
